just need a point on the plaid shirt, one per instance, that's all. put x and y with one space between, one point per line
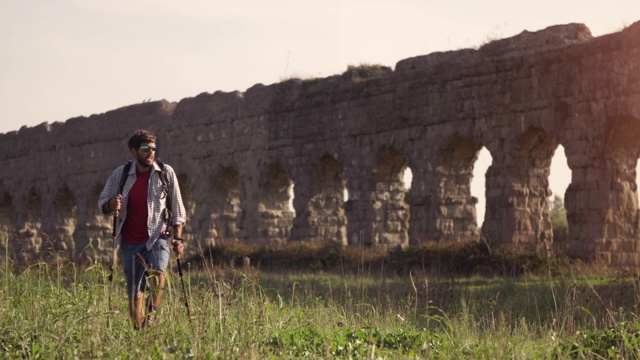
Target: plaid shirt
156 201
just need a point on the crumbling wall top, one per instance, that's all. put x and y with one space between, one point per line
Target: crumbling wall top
524 43
529 42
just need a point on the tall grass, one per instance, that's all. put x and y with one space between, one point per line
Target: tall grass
59 310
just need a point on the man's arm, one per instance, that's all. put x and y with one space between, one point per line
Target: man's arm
177 231
178 213
109 192
177 243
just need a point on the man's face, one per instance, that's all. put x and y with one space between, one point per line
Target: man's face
145 154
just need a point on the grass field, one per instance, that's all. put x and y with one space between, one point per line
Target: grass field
59 310
62 311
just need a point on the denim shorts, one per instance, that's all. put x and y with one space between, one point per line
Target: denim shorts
138 262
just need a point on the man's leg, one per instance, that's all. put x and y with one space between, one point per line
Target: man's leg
134 270
136 310
158 259
156 289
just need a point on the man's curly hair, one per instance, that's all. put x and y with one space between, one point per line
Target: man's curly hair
139 137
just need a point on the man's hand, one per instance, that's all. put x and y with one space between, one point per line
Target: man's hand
178 246
113 205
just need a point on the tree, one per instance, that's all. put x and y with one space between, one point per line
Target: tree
558 215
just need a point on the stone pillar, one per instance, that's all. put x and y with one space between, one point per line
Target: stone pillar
449 208
377 213
249 215
517 210
267 217
424 201
222 208
200 226
602 211
361 226
391 213
518 193
322 202
455 217
319 203
422 220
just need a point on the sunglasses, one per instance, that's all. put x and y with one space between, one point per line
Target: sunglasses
147 148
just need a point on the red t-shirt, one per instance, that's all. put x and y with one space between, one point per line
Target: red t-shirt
134 229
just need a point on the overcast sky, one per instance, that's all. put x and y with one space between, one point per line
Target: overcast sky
66 58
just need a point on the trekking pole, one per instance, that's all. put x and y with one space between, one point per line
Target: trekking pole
184 291
113 262
116 213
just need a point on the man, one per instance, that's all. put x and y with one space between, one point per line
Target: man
149 205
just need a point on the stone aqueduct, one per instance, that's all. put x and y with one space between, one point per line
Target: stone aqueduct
238 154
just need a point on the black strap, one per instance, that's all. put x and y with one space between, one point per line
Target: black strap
125 175
164 178
123 180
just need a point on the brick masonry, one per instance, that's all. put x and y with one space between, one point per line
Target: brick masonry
238 155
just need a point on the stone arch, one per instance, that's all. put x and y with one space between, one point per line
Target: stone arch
390 211
225 205
518 210
98 237
276 218
29 236
327 219
58 239
455 209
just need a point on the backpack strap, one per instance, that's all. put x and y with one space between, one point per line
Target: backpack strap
125 175
123 180
164 178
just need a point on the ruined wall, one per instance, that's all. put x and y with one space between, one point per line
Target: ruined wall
238 155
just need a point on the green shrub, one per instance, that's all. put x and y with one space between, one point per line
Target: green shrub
619 342
456 259
366 71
